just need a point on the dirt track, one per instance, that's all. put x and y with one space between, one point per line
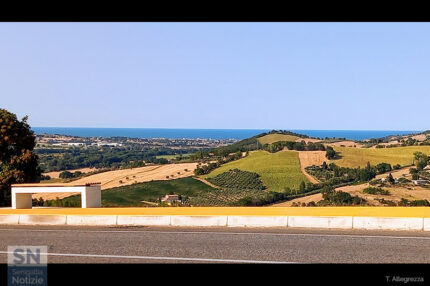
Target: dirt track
309 158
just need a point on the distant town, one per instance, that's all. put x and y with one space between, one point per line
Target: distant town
56 140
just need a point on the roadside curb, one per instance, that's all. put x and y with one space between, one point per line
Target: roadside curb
328 222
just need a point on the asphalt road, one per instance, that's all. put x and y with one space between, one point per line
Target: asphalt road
218 245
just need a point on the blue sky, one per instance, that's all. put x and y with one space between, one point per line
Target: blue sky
364 76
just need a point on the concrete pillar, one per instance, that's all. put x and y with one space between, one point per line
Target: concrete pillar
21 201
91 197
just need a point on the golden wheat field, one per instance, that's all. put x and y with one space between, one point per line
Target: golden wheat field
355 157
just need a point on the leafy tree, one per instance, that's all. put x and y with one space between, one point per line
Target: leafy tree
413 171
383 168
66 175
403 202
367 173
421 160
324 165
18 163
390 179
330 153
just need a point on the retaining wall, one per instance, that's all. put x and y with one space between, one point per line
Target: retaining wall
327 222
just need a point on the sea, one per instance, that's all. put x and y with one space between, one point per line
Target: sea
237 134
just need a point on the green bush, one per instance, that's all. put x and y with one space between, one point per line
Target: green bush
376 191
387 202
417 203
339 198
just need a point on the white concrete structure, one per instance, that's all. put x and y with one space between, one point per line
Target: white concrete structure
320 221
21 193
138 220
198 220
391 223
91 220
349 222
257 221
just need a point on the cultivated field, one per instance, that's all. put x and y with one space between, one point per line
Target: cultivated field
308 140
310 158
271 138
420 137
354 157
111 179
346 143
277 170
141 194
396 192
169 157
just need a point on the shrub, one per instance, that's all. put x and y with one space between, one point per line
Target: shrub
383 168
66 175
403 202
339 198
376 191
416 203
69 175
45 177
387 202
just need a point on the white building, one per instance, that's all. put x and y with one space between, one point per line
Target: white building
169 199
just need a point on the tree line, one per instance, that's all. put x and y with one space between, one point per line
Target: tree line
292 145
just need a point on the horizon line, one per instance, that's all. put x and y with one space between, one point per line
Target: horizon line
188 128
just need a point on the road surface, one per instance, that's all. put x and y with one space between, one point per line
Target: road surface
218 245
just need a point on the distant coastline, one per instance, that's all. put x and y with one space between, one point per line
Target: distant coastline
209 133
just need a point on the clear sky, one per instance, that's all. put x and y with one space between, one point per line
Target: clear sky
368 76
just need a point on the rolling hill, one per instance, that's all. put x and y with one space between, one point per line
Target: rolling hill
354 157
271 138
277 170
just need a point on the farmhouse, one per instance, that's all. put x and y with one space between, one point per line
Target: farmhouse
169 199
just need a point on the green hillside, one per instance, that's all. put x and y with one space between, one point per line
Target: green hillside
354 157
271 138
277 170
132 195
